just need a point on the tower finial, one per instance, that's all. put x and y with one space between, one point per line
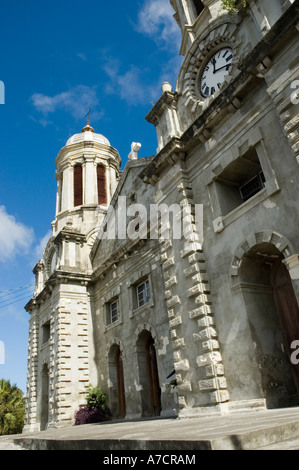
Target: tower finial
88 126
87 115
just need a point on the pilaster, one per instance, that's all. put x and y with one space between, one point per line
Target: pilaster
90 188
31 418
200 382
283 88
69 359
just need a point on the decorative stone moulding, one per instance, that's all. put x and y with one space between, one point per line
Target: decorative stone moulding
219 37
210 367
266 236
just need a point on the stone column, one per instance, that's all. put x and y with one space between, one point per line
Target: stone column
108 174
67 202
113 180
58 194
90 181
31 423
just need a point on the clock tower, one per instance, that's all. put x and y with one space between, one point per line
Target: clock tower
219 131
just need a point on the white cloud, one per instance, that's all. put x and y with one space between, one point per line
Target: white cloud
134 86
15 237
130 85
82 56
155 19
75 101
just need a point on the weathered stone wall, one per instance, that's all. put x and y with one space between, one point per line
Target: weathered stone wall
252 117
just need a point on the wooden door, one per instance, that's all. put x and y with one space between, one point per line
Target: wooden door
120 385
155 391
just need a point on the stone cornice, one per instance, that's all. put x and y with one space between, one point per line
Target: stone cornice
69 234
171 152
74 151
59 277
167 98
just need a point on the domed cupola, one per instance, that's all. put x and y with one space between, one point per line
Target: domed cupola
88 170
88 135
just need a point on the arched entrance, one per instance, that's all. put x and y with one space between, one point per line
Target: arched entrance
44 398
273 317
148 375
116 374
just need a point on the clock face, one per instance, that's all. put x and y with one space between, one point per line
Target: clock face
53 262
215 71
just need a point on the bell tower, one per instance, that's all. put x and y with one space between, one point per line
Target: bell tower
87 174
60 352
187 11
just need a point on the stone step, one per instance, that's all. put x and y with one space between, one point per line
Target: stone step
264 429
292 444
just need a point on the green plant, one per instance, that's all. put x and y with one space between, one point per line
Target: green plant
231 5
96 409
12 408
95 397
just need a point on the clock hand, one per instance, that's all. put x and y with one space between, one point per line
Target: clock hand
223 67
214 63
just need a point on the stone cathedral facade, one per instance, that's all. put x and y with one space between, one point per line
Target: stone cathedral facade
205 323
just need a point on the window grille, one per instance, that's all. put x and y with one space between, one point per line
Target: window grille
143 293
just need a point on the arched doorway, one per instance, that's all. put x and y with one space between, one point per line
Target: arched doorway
273 317
148 375
44 398
116 374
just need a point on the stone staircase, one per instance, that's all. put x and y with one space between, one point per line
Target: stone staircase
256 430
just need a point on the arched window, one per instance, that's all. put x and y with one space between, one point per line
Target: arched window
199 6
101 179
78 186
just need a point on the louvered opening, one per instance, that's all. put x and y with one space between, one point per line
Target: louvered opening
102 194
78 186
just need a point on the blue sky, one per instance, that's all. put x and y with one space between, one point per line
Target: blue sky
58 59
